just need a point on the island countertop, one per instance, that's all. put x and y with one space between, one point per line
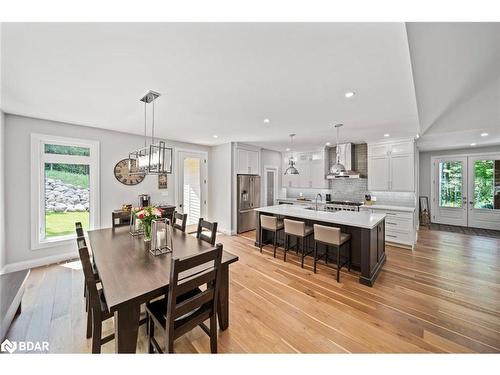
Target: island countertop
351 218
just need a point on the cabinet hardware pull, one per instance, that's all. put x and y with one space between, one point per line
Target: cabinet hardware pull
390 235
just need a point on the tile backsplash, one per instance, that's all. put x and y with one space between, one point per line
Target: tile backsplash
354 190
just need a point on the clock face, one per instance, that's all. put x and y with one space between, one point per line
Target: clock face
122 175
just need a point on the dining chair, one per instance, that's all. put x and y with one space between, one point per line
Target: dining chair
179 221
80 235
98 308
204 226
186 305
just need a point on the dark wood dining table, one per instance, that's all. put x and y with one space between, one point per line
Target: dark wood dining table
131 276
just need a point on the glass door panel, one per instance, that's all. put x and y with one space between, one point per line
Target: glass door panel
450 184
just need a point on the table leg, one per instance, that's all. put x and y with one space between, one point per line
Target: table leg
126 328
223 301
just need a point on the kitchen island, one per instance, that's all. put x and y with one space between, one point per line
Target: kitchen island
367 231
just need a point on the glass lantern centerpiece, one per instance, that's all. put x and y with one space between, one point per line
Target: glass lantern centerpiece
145 216
161 237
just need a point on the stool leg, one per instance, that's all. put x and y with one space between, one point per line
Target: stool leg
315 254
350 257
286 247
303 252
326 255
261 239
338 263
274 243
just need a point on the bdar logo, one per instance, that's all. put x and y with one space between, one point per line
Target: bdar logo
8 346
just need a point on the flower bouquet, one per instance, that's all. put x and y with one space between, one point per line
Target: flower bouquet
145 216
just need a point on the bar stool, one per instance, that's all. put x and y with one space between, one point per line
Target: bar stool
271 224
301 231
331 236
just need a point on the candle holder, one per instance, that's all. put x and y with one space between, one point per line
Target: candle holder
134 228
161 237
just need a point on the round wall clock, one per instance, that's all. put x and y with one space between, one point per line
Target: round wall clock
122 175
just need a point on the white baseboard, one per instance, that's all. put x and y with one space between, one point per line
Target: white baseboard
38 262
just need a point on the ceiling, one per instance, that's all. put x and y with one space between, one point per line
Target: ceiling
224 79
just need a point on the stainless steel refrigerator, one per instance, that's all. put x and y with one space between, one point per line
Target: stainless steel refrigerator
248 199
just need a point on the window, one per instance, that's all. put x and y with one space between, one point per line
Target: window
450 184
64 188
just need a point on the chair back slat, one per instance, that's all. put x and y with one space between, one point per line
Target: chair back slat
90 280
193 303
179 221
207 265
211 227
201 278
79 229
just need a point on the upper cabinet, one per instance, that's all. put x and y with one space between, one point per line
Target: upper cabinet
311 167
391 166
247 161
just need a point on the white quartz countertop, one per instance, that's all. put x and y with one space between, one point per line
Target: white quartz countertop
390 208
362 219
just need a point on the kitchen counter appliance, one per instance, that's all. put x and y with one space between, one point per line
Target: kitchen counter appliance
342 206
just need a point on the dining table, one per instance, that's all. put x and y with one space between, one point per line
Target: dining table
131 276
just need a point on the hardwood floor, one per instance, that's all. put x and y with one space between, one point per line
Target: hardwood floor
442 297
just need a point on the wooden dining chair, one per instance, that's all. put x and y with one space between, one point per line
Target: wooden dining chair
204 226
179 221
98 308
186 305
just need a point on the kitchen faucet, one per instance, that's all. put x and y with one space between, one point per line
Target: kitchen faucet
320 197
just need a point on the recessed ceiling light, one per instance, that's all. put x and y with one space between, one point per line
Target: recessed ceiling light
287 149
472 144
215 136
328 143
387 135
484 134
417 136
349 94
267 121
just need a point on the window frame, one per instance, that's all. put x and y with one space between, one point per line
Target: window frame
38 160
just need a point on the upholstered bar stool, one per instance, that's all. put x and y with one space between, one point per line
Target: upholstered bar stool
299 230
331 236
270 224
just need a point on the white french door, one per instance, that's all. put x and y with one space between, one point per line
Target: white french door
484 191
466 190
192 186
450 191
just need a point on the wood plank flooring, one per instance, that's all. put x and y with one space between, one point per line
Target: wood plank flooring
442 297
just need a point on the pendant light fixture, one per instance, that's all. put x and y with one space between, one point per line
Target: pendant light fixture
155 158
338 168
291 163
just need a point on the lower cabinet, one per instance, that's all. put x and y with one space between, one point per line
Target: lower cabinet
399 226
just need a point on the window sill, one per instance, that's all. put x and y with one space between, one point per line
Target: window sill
55 242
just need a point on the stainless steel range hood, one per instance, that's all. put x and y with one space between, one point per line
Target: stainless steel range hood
345 159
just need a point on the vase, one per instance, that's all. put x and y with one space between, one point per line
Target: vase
147 232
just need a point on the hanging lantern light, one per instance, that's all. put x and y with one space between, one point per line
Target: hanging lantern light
291 162
155 158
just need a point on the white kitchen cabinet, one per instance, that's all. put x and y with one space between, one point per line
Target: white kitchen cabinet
311 167
400 226
391 166
248 161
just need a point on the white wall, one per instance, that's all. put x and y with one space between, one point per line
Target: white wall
269 158
220 186
425 164
2 191
114 146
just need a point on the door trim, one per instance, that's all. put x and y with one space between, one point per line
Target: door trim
204 171
274 169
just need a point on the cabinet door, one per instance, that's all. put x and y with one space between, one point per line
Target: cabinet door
378 173
402 176
304 167
242 162
253 162
317 167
